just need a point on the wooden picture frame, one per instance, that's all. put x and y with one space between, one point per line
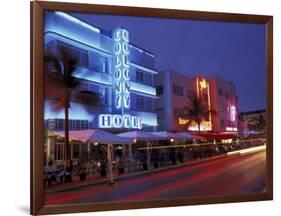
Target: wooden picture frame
37 102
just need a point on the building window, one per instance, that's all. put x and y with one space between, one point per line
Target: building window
80 55
220 92
159 90
143 77
226 95
178 90
139 76
75 150
142 103
149 79
160 112
59 151
148 104
178 112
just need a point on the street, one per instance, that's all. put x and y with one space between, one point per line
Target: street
230 175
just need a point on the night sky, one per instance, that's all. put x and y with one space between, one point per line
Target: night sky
234 51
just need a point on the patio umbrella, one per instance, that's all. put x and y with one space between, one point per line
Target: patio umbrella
99 136
95 135
166 135
141 136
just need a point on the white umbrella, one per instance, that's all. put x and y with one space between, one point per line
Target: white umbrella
141 136
166 135
98 136
94 135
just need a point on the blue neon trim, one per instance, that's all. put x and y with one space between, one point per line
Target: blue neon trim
77 21
143 88
90 75
143 68
149 119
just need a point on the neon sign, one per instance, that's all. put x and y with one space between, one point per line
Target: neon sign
203 87
232 113
121 83
119 121
121 70
231 129
203 84
182 121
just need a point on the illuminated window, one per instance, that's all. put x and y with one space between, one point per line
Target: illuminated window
159 90
178 90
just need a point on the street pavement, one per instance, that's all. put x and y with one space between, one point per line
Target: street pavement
230 175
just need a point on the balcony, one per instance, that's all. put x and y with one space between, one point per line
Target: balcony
93 76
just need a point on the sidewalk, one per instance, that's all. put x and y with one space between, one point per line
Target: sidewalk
76 183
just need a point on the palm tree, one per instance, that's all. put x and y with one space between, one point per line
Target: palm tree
62 87
257 123
196 110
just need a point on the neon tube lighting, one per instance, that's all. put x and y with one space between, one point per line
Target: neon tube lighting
143 68
77 21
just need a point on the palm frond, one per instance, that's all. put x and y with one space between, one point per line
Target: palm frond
87 98
56 104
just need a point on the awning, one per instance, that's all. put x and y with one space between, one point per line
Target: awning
166 135
186 135
139 136
208 135
98 136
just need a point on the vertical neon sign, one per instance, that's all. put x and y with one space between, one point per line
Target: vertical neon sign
121 82
204 87
232 113
121 70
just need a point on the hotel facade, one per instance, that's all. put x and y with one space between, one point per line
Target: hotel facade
174 90
132 94
119 72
